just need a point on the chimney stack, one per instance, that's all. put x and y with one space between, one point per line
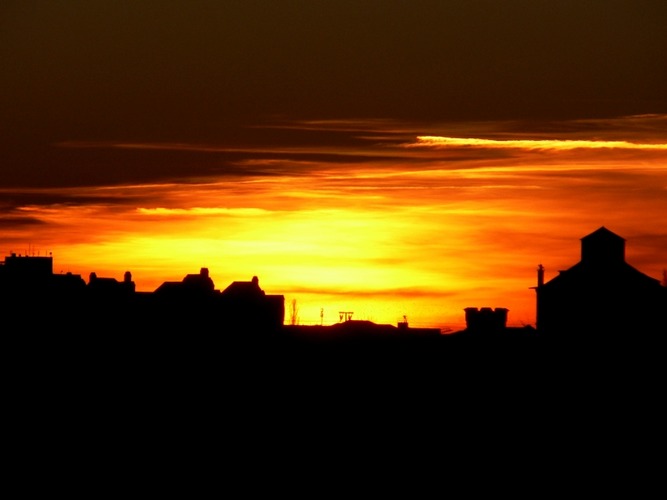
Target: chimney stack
540 275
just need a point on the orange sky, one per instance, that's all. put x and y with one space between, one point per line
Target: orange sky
415 220
386 157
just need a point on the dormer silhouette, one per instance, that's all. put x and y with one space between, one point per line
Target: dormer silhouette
101 286
244 289
193 286
201 281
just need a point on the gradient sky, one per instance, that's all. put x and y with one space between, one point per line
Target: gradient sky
385 157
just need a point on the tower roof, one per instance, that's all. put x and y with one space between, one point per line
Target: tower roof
602 247
603 234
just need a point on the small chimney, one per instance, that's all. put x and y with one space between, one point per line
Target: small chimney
540 275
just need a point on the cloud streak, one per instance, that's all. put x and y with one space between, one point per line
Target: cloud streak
531 144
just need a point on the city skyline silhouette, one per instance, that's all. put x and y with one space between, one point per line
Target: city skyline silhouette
277 232
601 297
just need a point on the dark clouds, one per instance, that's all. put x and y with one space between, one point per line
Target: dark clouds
201 70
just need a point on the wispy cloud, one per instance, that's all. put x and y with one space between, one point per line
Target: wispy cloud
529 144
203 211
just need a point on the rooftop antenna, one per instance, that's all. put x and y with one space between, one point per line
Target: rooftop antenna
347 315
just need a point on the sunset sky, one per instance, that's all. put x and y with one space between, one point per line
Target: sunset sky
385 157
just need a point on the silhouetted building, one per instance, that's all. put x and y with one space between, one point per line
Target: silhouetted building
33 295
29 290
26 268
247 304
486 319
110 287
487 324
602 295
191 287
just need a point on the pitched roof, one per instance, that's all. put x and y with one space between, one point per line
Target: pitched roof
603 261
244 288
602 233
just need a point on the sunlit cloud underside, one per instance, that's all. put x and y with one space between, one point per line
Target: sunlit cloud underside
443 142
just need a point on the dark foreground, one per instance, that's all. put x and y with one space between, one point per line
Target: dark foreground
206 358
183 409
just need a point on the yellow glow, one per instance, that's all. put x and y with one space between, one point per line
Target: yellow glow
412 231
